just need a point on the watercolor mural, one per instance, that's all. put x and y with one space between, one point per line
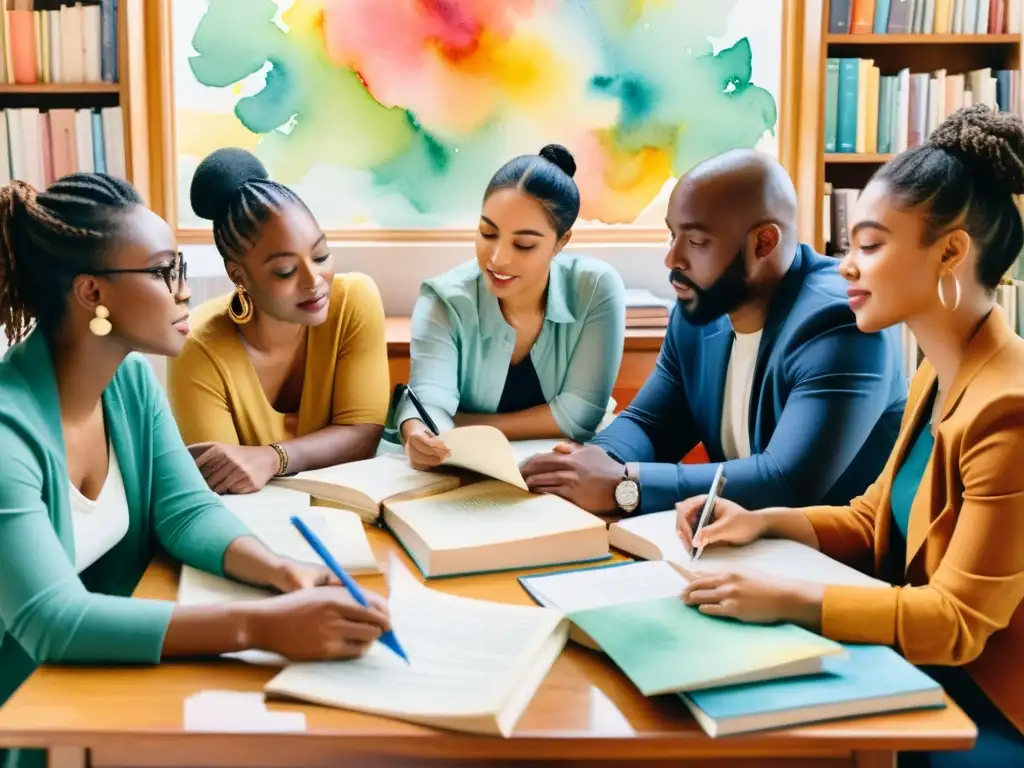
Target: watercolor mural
394 114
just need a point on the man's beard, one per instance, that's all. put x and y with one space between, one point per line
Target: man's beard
720 298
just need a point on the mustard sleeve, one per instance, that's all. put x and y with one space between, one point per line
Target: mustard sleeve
362 381
199 397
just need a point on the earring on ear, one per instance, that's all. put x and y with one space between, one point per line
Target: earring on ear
100 325
243 314
942 295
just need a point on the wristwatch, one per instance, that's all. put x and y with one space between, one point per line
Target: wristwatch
627 492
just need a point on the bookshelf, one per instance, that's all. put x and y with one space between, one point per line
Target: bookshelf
890 52
91 90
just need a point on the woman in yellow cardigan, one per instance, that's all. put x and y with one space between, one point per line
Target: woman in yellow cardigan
290 371
931 237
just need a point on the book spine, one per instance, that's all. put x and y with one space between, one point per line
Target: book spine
862 17
900 17
839 17
831 102
881 20
846 111
108 42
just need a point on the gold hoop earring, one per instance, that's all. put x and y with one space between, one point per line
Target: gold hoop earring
243 314
100 325
942 295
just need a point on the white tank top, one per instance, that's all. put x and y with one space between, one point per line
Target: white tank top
101 524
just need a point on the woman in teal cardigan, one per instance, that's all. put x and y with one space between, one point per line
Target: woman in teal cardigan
94 473
524 338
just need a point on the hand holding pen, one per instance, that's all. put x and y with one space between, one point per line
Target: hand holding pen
724 522
422 444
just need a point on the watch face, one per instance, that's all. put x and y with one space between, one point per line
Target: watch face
627 494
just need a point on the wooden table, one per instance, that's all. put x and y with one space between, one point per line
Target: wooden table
584 712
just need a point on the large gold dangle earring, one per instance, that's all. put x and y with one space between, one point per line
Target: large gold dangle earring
100 325
240 306
942 295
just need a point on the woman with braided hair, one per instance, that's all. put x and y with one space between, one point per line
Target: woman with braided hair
290 371
94 470
932 235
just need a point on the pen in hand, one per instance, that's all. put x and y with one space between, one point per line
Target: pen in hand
717 484
424 416
388 638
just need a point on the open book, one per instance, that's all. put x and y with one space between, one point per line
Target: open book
363 486
633 612
473 665
494 526
654 537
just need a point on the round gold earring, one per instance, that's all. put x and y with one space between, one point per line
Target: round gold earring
243 314
942 295
99 325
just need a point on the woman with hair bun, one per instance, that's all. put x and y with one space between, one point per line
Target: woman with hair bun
932 236
289 372
517 338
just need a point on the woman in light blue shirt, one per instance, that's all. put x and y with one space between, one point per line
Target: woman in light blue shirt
525 338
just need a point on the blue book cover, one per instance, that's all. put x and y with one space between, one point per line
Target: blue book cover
831 102
99 157
881 24
846 111
108 41
1003 90
870 679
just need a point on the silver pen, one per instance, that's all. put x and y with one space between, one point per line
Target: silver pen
709 504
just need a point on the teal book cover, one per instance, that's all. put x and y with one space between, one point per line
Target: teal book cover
665 646
831 103
869 679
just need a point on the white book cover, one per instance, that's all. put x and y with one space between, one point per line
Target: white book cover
5 157
113 141
53 24
91 43
83 140
982 26
32 147
72 64
903 112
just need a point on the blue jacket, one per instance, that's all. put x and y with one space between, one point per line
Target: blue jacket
461 345
825 405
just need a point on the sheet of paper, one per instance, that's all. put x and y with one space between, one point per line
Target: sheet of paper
780 557
488 513
271 498
525 449
378 478
485 450
341 531
588 588
465 656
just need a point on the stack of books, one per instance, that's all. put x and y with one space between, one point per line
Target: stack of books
49 41
867 112
645 310
42 146
924 17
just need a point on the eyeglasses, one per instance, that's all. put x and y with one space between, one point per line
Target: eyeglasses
174 274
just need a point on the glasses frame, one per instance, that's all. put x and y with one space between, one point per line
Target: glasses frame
167 273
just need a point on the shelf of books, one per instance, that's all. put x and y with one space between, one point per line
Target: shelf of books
893 70
61 96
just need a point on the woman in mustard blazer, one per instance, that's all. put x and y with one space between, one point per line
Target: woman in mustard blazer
932 235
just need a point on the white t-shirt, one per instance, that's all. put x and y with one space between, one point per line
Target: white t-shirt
739 380
101 524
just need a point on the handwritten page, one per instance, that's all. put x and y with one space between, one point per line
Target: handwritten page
489 512
485 450
587 588
780 557
369 482
466 658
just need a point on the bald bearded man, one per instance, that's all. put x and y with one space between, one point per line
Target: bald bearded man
762 363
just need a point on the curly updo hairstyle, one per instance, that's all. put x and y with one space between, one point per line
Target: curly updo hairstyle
232 188
967 176
547 178
47 239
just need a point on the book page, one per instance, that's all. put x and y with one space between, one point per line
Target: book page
489 513
377 479
485 450
526 449
270 498
465 657
588 588
780 557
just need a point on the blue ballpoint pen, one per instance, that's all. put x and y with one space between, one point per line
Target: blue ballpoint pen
388 638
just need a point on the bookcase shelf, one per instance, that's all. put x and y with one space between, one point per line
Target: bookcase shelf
922 39
852 158
59 88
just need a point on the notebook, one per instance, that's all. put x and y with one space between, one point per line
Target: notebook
363 486
494 526
869 680
474 665
633 613
654 537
